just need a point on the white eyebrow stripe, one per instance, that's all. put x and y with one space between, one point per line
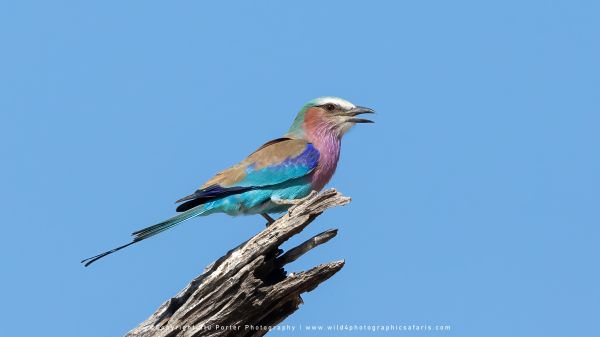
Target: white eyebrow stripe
334 100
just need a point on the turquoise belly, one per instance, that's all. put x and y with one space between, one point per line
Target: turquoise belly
259 200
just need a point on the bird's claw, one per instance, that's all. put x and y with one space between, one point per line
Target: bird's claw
286 202
292 202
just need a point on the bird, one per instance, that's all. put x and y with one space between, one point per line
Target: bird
275 176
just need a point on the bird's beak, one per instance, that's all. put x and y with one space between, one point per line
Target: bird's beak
359 110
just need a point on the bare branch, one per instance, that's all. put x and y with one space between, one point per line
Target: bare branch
294 253
248 287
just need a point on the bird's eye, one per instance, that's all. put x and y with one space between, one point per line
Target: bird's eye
329 107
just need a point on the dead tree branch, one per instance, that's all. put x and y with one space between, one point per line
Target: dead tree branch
248 288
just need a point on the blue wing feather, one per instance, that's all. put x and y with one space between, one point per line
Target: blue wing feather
289 169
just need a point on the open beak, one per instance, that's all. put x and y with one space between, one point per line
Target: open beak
359 110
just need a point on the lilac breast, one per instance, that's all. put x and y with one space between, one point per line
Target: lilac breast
329 150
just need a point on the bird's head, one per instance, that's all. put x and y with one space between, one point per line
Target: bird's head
327 115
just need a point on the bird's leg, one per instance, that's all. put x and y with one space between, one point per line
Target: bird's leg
268 218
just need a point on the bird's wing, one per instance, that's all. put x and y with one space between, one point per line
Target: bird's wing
273 163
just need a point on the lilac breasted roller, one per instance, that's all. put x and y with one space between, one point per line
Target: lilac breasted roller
274 176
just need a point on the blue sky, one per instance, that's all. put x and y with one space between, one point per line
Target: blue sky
475 195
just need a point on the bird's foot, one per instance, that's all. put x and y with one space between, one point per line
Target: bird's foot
285 202
291 202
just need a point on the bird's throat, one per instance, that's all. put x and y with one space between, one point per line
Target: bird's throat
329 146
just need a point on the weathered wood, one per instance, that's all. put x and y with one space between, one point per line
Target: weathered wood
247 290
